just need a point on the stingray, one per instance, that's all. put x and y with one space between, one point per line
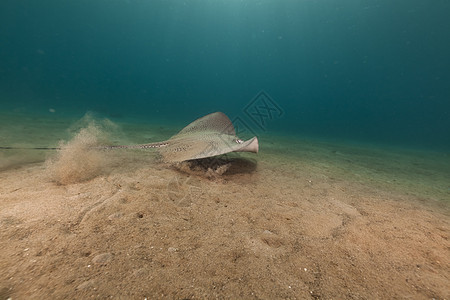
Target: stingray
208 136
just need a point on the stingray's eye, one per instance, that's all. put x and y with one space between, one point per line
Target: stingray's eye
239 141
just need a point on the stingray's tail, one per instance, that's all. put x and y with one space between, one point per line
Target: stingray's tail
30 148
142 146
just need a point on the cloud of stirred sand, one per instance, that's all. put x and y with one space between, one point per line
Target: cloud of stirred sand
78 160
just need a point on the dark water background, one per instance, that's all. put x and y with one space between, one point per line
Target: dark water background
374 71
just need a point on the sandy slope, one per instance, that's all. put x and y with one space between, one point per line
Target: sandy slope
304 220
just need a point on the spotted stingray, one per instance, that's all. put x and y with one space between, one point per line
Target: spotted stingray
208 136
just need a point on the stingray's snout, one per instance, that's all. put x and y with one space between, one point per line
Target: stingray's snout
251 145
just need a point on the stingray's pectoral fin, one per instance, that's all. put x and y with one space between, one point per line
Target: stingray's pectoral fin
251 145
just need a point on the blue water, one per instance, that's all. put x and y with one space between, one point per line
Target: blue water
375 71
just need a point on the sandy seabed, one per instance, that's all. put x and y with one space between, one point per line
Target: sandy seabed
302 219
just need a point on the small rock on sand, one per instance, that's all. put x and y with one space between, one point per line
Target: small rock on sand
102 258
86 285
